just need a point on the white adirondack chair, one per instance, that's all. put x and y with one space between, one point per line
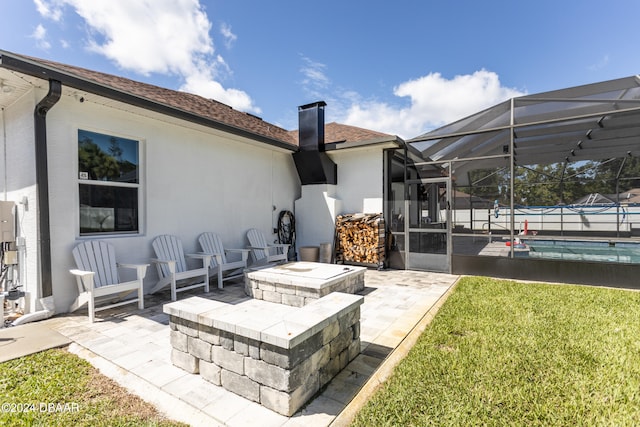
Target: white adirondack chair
172 267
220 265
263 252
97 278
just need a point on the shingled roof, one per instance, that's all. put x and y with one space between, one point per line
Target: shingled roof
181 104
336 132
339 133
188 106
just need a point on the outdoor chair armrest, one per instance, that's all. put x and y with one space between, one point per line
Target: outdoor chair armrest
127 265
238 250
201 255
284 247
206 258
216 255
141 269
243 252
163 261
82 273
171 264
84 279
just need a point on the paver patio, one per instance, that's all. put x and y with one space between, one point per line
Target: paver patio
132 347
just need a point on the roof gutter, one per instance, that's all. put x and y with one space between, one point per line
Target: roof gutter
42 184
36 70
393 142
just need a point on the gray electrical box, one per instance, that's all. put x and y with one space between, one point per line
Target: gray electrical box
7 222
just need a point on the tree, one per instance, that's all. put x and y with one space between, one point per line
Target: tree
100 165
114 149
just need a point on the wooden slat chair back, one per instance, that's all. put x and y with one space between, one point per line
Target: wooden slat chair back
220 264
172 266
97 277
99 257
264 252
169 247
212 244
258 243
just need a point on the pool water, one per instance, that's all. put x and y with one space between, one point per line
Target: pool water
618 252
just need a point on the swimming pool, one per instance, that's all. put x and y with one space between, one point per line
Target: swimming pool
599 251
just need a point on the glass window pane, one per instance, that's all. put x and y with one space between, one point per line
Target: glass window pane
108 209
107 158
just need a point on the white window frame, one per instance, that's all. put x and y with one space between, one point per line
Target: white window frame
139 186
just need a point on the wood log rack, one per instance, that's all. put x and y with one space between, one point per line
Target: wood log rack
360 240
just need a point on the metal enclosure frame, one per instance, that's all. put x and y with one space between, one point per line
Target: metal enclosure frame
593 122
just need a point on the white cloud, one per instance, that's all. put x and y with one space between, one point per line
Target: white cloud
157 36
40 35
315 80
434 101
220 62
205 86
229 37
49 10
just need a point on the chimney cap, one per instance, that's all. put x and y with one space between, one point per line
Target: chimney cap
313 104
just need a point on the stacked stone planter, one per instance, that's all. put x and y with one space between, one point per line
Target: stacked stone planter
299 283
274 354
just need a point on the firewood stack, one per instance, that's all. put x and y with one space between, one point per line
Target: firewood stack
360 240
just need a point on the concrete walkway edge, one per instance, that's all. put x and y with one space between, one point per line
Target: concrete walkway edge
385 370
18 341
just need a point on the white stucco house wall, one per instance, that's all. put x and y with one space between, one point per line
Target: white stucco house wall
359 155
199 165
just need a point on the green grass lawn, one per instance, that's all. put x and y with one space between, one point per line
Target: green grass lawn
57 388
505 353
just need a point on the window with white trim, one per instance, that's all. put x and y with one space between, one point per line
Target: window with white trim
109 183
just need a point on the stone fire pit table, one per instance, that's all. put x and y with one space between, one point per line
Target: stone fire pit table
273 354
298 283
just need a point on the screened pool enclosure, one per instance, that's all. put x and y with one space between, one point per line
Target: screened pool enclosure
543 186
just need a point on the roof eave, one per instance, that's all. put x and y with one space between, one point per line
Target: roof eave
384 141
32 68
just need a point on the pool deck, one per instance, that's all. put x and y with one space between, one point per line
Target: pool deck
132 347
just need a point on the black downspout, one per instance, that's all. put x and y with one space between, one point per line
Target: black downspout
42 183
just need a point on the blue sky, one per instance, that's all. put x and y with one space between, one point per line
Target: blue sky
401 67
